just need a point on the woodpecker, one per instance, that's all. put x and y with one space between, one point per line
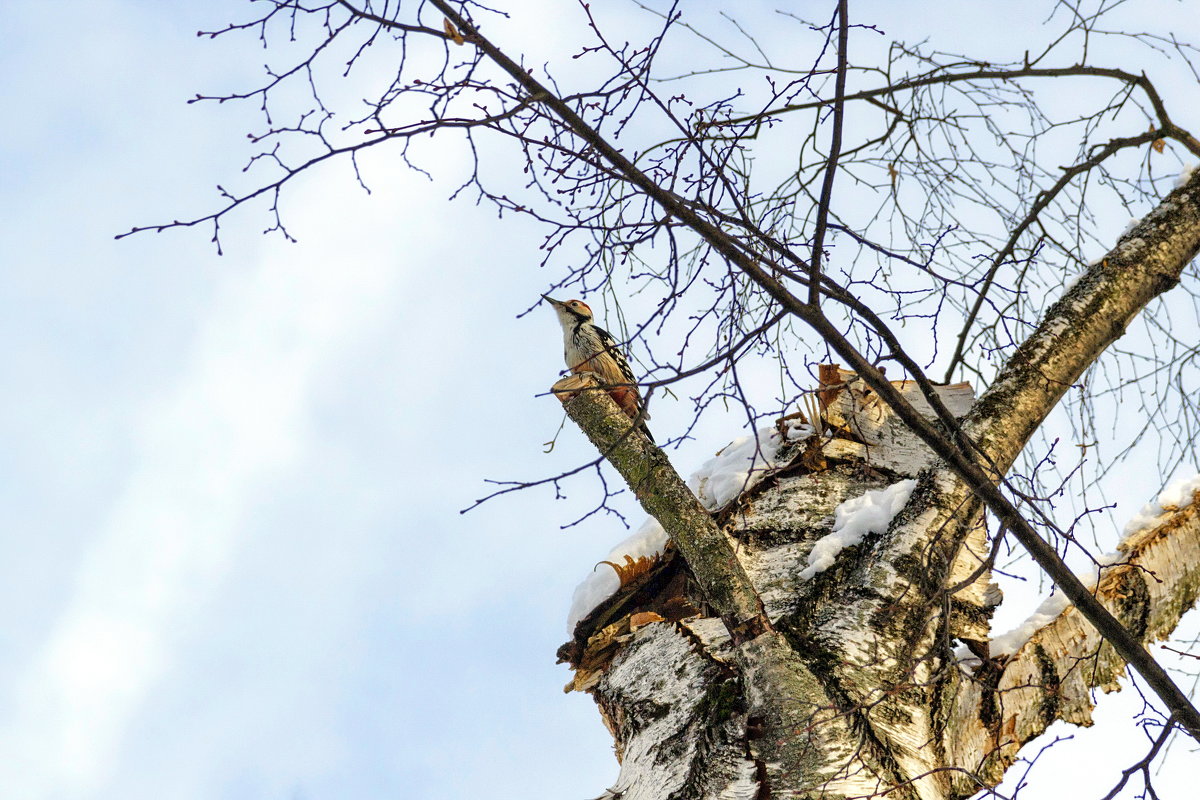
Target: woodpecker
589 348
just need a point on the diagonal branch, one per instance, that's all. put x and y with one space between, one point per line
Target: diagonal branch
667 498
784 694
1147 261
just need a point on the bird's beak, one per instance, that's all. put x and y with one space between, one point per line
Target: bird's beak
551 300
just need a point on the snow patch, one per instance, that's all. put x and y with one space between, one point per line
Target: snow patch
797 430
1071 280
741 464
871 512
1177 495
648 540
1186 174
967 661
731 471
1009 643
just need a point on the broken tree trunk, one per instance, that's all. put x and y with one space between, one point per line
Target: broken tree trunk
881 703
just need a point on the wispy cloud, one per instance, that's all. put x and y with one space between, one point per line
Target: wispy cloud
235 415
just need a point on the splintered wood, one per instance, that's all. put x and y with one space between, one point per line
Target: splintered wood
865 428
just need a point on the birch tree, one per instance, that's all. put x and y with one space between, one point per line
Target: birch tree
791 193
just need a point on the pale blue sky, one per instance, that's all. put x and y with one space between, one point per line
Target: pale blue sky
232 562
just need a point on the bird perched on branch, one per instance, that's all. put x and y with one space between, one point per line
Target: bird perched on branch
589 348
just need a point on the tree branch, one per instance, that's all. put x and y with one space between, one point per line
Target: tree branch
787 700
1170 129
1051 676
835 149
1147 261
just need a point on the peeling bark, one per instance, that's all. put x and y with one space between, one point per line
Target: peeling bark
1052 675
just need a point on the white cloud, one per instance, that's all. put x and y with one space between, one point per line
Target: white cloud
236 415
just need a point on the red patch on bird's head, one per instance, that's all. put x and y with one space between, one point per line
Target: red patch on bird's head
579 306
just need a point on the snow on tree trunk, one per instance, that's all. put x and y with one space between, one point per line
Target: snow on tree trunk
890 707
